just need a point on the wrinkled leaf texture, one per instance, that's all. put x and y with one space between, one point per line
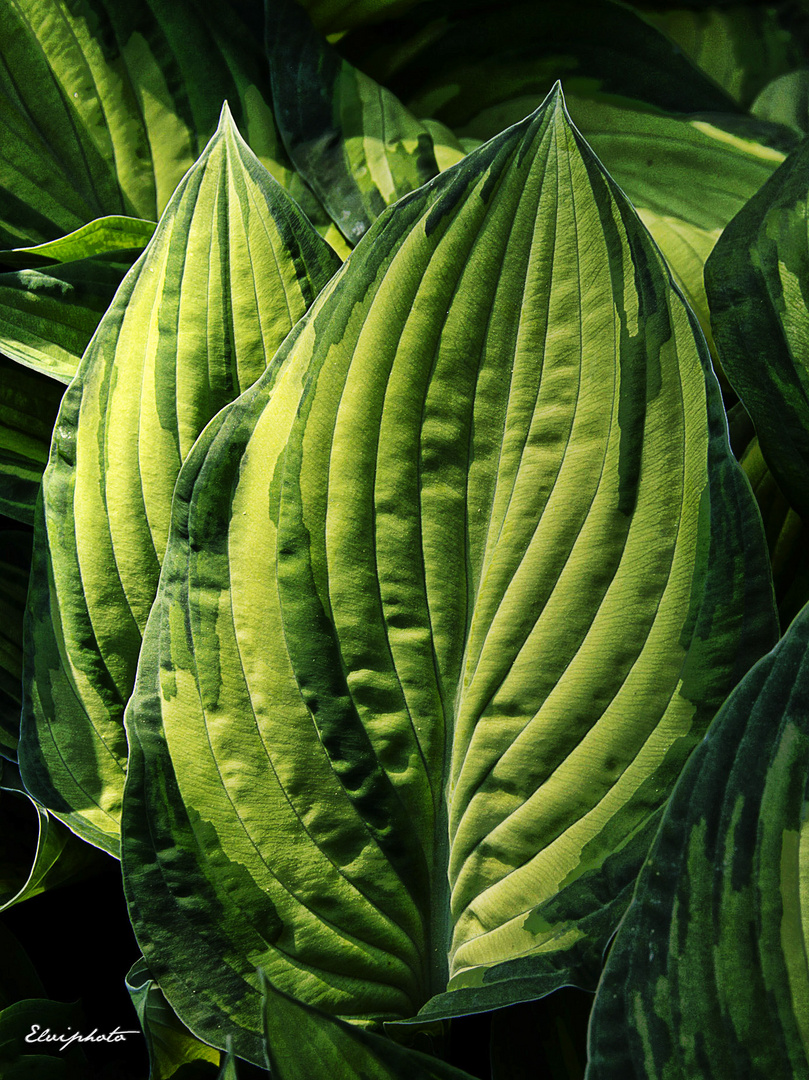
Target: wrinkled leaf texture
450 594
232 266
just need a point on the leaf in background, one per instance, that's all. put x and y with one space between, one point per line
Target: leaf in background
708 974
48 316
15 567
302 1042
785 100
787 536
757 280
232 266
452 60
741 48
356 146
333 16
450 595
170 1044
38 851
104 235
29 403
105 105
18 977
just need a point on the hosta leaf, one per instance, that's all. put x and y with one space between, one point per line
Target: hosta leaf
38 852
452 60
106 234
104 106
708 975
356 146
741 48
15 566
29 403
758 287
432 638
233 264
785 100
48 316
302 1042
171 1045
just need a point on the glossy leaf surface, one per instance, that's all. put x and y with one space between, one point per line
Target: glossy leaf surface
708 975
231 267
431 644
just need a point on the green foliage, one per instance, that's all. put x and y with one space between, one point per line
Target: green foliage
404 454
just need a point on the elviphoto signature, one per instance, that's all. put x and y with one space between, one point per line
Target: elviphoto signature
39 1034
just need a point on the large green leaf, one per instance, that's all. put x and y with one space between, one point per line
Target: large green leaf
708 977
105 105
350 139
232 266
449 596
29 403
758 288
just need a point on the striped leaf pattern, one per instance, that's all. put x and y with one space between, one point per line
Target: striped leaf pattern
104 106
708 977
232 266
431 642
350 139
758 289
106 234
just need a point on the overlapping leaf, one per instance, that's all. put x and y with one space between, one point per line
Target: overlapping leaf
350 139
450 594
758 288
231 267
708 976
104 106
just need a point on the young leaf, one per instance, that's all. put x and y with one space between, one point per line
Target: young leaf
356 146
758 288
104 235
450 595
231 267
708 974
